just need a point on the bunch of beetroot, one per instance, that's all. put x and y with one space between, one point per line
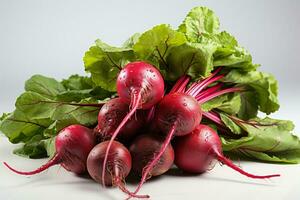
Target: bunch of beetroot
135 131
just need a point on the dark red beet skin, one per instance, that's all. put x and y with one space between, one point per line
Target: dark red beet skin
140 77
143 149
178 108
111 115
196 152
72 145
118 165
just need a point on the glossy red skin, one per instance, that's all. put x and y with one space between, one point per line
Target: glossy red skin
74 144
119 162
111 115
140 76
179 107
195 153
142 151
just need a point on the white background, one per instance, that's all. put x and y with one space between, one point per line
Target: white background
50 38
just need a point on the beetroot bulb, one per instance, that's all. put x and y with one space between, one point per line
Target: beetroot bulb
141 86
111 115
118 167
197 152
72 145
142 150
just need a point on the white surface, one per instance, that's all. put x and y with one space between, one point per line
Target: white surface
39 36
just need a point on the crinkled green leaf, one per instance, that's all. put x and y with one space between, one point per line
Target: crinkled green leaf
19 128
214 103
74 95
37 147
84 115
225 40
78 95
76 82
36 106
239 58
249 105
229 103
104 63
4 115
198 59
230 124
233 103
130 42
198 21
33 149
263 84
101 94
193 59
81 87
154 44
230 54
288 157
77 115
268 140
48 87
53 129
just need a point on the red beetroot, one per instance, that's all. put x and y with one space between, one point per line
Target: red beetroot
140 80
143 150
111 115
72 145
118 167
178 111
197 152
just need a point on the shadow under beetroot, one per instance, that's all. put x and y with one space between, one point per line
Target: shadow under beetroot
134 179
179 173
